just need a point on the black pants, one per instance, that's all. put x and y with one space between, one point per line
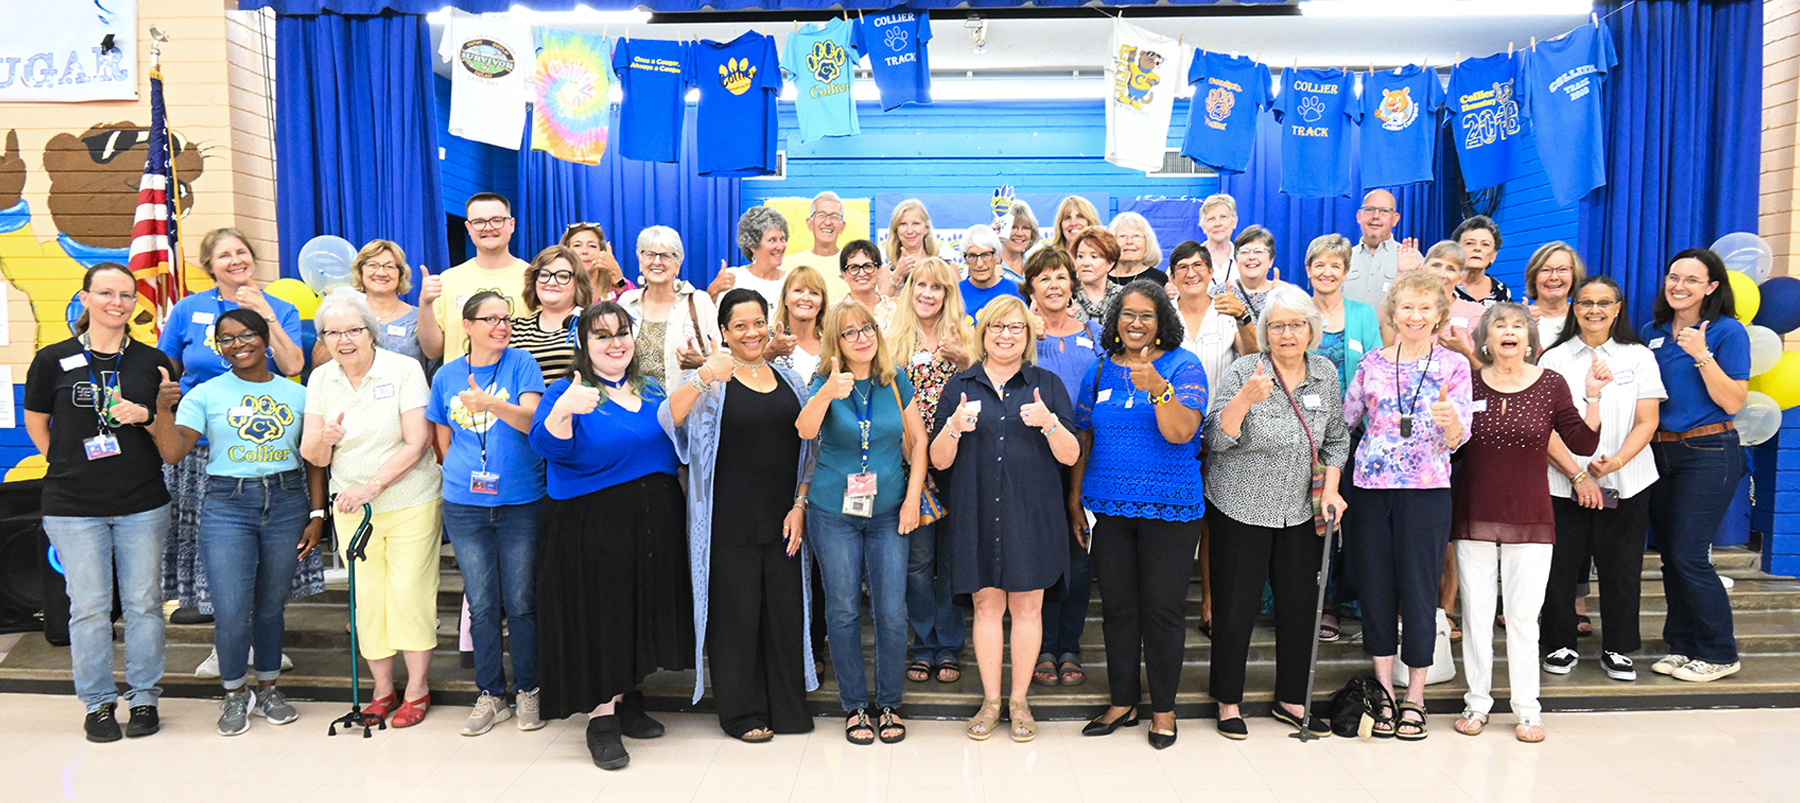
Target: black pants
1401 535
1244 556
1143 566
1615 540
754 635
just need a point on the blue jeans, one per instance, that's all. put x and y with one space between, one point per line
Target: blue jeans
1064 621
851 549
938 625
496 547
249 533
90 549
1698 478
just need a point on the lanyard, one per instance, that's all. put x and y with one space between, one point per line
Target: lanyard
102 391
865 417
486 418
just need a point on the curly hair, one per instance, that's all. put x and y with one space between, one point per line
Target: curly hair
1169 331
753 224
373 249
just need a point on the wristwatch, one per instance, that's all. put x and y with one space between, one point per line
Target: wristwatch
318 514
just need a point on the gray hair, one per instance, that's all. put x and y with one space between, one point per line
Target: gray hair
979 235
1023 216
1507 309
753 224
1329 244
343 300
1284 296
660 237
1219 199
1448 249
1152 251
827 195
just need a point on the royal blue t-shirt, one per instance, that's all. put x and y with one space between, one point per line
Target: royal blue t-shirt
1560 90
1230 92
822 63
974 298
653 81
187 336
738 82
895 45
508 451
1315 108
1491 128
1400 125
1689 405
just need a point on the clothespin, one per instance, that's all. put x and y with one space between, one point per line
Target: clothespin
603 30
1534 44
1371 69
1259 56
1595 18
796 26
1423 65
1509 49
1458 59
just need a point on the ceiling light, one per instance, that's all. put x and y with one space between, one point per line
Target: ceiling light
1444 8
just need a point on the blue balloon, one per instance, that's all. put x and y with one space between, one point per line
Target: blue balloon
1780 304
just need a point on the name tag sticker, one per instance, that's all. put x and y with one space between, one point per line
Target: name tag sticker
1209 338
240 412
1459 323
1103 395
203 318
1624 377
1355 345
921 357
73 361
1084 342
1311 401
396 330
1656 343
384 391
1478 406
1385 286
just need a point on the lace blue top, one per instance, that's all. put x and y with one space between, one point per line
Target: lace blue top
1132 470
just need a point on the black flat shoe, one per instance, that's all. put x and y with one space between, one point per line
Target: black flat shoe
102 725
633 722
1100 728
144 722
605 743
1162 741
1234 729
1317 726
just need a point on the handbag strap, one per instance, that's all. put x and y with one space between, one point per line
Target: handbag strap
1296 405
694 315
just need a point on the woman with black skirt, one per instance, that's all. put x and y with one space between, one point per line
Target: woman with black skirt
613 586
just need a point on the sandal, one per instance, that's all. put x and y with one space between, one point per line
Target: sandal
857 729
981 726
1407 729
1206 628
1529 731
1329 632
1471 723
1024 727
379 709
1383 727
1455 628
890 721
756 736
411 712
1044 674
948 671
918 671
1584 626
1070 673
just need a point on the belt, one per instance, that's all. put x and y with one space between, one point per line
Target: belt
1665 436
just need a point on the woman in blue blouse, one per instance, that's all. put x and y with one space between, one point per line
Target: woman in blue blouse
748 473
1704 354
481 409
1140 474
614 596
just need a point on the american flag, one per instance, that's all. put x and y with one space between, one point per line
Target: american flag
155 247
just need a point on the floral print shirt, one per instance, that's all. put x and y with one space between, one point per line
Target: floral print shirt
1421 459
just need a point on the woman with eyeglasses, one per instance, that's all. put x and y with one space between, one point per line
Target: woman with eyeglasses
615 600
481 409
1242 297
670 336
556 288
803 302
365 420
864 501
380 272
1138 252
931 343
1095 252
1140 411
1551 276
860 264
981 257
1020 234
589 243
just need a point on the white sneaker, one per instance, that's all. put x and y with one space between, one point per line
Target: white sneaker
1669 663
1699 671
527 703
1561 662
209 668
487 711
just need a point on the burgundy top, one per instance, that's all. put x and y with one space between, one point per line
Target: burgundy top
1503 493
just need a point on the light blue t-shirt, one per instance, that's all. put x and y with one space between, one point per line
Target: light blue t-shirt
187 336
509 454
653 84
735 123
1315 108
1230 92
1400 125
895 45
823 65
1491 127
1560 93
253 428
974 298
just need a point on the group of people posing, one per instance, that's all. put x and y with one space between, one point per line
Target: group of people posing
652 476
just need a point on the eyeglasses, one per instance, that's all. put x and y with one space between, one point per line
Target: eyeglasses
1288 326
1690 281
340 334
555 277
1006 328
972 258
1253 251
1189 265
601 337
492 320
227 341
1377 210
1560 270
865 332
658 256
860 268
1599 305
489 222
381 267
1126 317
828 216
1132 236
589 226
108 296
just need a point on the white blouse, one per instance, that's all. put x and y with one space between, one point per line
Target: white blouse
1635 377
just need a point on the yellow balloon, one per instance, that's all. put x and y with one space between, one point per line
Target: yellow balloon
1782 382
295 292
1747 296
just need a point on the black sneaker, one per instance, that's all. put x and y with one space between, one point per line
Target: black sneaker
101 725
143 721
1561 662
1618 667
633 721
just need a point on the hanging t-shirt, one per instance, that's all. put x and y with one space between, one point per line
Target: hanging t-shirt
570 108
895 45
492 62
519 470
1400 125
1315 108
735 126
1560 92
1491 132
1230 92
653 83
823 64
1139 101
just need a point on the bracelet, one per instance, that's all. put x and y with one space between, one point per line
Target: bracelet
1701 363
1051 430
1167 395
1591 399
799 502
695 382
1579 476
955 436
269 318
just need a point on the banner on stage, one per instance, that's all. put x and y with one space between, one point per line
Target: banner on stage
56 53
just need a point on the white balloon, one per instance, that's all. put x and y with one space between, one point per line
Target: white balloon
1746 253
325 262
1765 348
1758 420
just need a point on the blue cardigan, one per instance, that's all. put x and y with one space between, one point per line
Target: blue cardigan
1362 334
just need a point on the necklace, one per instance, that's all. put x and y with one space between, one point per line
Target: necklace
755 367
610 383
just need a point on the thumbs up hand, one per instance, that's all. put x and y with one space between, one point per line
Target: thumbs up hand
1444 413
840 384
967 414
333 434
579 399
721 283
430 287
477 400
781 343
719 366
1144 376
1598 377
1036 413
1259 387
1693 340
168 391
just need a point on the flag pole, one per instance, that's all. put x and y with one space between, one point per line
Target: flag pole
177 276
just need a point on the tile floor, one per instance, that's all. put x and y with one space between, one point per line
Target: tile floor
1686 756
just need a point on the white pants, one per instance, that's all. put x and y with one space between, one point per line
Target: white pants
1521 571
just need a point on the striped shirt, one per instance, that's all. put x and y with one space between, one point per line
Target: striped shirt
553 350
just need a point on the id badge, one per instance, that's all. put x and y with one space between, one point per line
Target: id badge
99 446
482 482
859 485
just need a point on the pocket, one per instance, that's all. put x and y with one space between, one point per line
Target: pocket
1706 444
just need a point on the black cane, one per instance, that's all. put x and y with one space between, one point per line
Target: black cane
354 551
1312 664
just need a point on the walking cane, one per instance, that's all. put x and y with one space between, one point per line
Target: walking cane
354 551
1312 664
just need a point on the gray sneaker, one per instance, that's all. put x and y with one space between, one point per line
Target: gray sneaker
234 712
527 703
487 711
273 706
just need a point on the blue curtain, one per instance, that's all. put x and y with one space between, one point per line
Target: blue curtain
1683 112
487 6
1427 209
626 196
356 139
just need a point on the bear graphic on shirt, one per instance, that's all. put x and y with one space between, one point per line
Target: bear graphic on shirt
1397 111
1138 68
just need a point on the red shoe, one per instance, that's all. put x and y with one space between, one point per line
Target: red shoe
379 709
412 712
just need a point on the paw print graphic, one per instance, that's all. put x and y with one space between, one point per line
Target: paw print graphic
736 75
896 39
1003 200
825 62
266 421
1311 108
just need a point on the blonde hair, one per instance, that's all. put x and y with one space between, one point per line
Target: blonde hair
905 332
842 316
1422 283
997 310
929 243
1536 265
1078 205
210 242
370 251
802 276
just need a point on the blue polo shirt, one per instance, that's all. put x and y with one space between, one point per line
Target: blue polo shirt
187 336
1689 405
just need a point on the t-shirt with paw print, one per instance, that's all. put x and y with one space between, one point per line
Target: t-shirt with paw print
1315 108
252 427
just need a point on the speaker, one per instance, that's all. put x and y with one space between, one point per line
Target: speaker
22 566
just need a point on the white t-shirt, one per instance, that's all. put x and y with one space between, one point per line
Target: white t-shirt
770 288
1214 341
1635 376
1144 71
492 63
